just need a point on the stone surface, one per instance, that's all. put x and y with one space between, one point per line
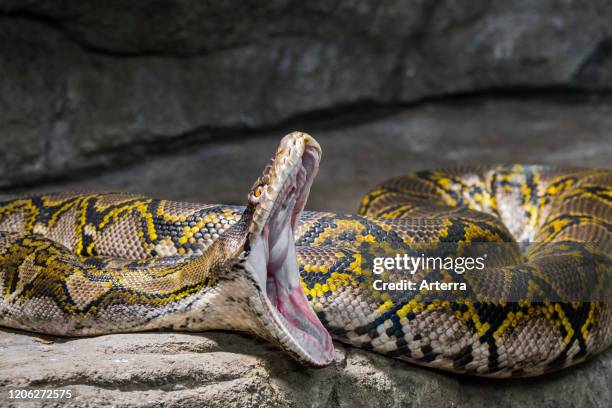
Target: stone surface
86 82
224 369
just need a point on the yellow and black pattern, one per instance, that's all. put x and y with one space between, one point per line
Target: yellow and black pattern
120 225
549 287
542 304
91 260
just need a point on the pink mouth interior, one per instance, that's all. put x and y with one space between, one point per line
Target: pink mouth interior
283 287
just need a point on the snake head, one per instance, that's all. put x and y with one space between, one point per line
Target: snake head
275 203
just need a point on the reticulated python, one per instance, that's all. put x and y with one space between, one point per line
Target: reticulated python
90 264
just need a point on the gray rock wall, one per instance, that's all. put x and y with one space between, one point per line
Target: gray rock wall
88 84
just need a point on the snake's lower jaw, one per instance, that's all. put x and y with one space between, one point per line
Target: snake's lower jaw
285 316
287 319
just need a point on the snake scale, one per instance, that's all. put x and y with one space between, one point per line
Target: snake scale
92 264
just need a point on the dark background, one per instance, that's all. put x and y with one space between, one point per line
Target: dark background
187 100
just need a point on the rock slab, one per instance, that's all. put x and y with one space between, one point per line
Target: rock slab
224 369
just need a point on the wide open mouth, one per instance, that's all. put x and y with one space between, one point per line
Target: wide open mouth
273 261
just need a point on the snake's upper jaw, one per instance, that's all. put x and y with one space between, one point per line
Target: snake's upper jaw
276 201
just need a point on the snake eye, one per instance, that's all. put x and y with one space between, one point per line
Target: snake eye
256 193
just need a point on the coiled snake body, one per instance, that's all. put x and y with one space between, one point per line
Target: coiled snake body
91 264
